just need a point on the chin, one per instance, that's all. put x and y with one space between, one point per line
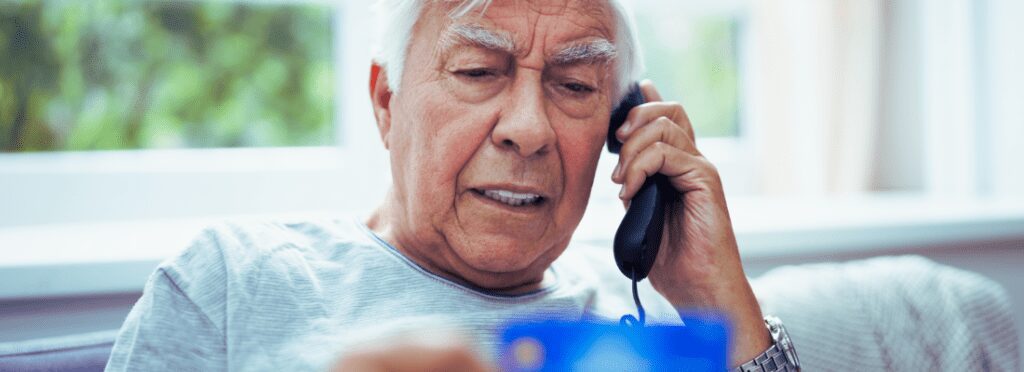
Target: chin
505 256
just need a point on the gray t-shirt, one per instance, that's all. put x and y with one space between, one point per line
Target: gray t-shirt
259 295
293 296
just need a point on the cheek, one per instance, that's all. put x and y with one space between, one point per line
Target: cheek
580 151
438 142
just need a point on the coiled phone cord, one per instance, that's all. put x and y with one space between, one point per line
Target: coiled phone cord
629 320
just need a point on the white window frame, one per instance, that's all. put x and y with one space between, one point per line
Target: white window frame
350 177
60 187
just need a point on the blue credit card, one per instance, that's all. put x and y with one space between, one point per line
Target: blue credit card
700 345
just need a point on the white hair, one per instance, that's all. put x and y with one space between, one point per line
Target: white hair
396 19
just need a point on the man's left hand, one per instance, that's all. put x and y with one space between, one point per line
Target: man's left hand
698 265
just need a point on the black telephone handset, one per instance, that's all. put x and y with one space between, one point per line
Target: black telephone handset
638 238
639 235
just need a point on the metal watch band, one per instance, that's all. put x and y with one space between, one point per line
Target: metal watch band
771 360
779 357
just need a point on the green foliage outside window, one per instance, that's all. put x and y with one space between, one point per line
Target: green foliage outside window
695 62
129 74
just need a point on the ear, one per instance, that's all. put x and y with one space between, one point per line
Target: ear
380 96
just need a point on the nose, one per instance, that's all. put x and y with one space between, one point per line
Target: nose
524 126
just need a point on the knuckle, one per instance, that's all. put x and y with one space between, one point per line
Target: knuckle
358 359
637 173
708 165
664 121
628 153
459 354
454 356
670 127
677 109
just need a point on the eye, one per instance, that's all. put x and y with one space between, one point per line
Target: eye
477 73
577 88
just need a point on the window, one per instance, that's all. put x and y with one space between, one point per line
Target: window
692 55
268 159
824 99
250 77
126 74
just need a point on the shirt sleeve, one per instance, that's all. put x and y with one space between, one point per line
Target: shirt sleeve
174 326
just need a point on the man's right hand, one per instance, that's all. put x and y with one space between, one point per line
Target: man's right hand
412 355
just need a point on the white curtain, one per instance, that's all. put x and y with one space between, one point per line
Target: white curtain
1003 92
849 97
814 73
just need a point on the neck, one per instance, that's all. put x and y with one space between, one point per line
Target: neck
434 255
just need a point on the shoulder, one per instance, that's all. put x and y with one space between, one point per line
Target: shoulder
242 243
242 254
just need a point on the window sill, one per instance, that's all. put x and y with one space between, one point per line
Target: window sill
94 258
768 228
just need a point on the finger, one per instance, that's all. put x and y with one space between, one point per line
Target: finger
661 130
644 114
455 359
687 172
651 94
413 358
439 358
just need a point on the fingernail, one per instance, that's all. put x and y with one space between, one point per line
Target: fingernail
615 173
625 127
622 191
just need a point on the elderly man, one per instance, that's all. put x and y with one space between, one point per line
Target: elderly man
494 114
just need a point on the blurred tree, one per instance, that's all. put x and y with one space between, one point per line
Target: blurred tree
695 62
125 74
27 79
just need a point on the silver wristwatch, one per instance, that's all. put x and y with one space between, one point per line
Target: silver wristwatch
781 356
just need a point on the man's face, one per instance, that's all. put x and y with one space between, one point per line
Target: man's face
495 134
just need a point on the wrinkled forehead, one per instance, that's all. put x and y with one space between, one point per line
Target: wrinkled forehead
522 27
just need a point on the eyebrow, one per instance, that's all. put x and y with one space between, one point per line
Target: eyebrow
586 52
478 36
581 52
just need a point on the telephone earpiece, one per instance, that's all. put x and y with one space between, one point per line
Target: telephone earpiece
639 235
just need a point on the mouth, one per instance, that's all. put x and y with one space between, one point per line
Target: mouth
511 198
